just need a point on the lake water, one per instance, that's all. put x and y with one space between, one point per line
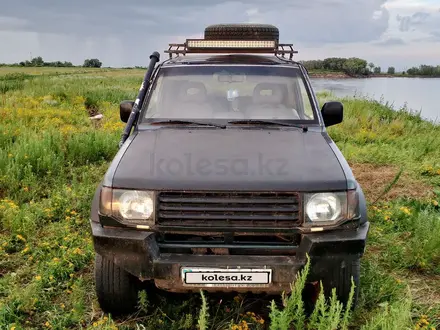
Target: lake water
419 94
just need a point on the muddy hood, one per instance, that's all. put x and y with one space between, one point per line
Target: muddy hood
230 159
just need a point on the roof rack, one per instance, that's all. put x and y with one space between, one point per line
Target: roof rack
203 46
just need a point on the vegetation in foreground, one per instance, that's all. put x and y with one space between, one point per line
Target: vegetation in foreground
52 157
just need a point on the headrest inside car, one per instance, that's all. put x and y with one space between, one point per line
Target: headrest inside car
268 93
192 92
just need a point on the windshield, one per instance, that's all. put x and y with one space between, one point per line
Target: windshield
229 93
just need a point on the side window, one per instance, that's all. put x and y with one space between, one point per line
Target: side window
154 102
305 100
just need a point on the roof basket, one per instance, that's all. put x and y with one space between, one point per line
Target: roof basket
204 46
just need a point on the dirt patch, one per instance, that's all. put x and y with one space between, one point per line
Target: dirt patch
374 179
425 289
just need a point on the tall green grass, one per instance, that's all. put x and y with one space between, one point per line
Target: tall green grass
52 158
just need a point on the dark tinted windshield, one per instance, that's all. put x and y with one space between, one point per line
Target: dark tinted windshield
229 92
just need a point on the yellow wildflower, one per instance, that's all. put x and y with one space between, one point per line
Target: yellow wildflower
405 210
21 238
77 251
38 278
435 203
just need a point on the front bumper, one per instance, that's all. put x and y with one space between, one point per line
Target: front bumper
138 253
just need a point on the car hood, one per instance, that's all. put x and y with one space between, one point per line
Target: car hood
228 159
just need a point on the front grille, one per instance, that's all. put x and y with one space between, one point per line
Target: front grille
228 209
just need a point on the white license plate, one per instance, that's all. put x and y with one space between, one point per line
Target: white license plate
225 277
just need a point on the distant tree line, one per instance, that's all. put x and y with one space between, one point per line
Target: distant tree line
352 66
39 62
424 70
359 67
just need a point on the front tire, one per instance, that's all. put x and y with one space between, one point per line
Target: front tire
116 289
338 274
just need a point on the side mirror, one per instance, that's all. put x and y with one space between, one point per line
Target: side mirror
332 113
125 108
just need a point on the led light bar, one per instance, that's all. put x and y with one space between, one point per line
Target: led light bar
201 46
231 44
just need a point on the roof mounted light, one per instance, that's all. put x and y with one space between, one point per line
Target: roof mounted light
231 44
203 46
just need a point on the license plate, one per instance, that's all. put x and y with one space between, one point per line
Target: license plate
224 277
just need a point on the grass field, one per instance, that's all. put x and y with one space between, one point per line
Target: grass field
52 157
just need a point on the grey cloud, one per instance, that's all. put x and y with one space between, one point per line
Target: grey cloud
135 28
390 42
12 23
419 20
406 22
435 36
313 20
428 23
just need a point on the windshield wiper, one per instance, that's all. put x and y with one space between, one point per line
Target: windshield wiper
268 122
187 122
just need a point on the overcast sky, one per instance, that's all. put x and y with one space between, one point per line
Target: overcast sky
402 33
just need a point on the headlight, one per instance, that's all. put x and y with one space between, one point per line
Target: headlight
131 206
329 208
136 205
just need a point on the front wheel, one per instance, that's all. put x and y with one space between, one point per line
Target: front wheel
116 289
338 274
